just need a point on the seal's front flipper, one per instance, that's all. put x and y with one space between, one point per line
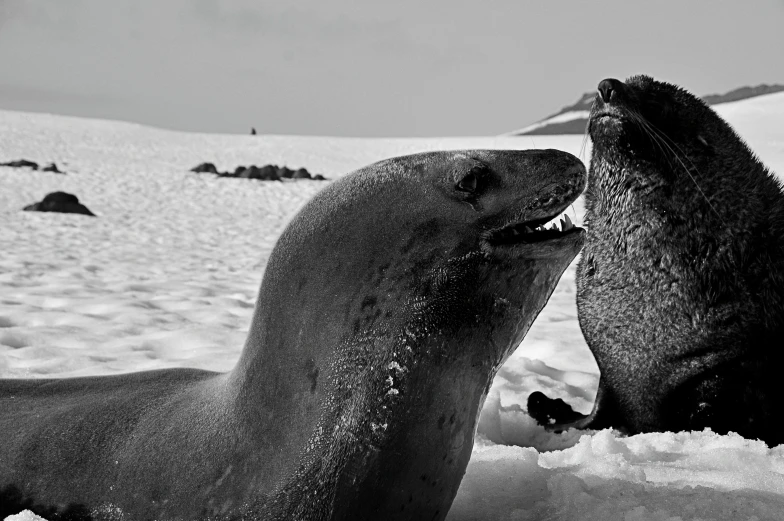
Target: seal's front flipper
549 412
557 416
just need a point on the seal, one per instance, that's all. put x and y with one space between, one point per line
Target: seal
386 307
680 287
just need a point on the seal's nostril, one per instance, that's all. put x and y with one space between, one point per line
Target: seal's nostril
607 89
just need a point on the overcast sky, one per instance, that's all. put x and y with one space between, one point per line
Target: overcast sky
367 68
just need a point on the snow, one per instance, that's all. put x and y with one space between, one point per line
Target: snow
24 515
648 477
167 276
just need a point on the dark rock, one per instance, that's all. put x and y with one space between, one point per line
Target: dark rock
252 172
269 173
21 163
301 174
51 167
205 168
319 177
61 202
252 131
60 197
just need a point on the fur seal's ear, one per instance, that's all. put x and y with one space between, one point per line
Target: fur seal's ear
471 181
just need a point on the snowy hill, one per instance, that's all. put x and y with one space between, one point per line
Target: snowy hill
167 276
573 118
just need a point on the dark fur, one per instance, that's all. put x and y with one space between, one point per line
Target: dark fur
386 307
680 286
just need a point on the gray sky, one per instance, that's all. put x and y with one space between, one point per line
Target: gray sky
367 68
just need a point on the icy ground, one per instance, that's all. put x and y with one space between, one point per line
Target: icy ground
167 276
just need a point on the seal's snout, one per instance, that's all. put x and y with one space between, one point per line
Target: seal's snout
609 88
576 176
609 107
564 173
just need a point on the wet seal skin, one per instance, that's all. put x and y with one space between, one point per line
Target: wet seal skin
680 285
386 308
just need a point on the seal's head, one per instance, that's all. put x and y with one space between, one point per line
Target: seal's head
441 234
388 305
657 146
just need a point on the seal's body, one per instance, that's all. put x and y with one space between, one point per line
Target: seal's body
386 308
681 284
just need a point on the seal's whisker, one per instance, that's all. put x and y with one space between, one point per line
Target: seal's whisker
685 168
663 139
660 138
643 125
673 143
650 134
585 134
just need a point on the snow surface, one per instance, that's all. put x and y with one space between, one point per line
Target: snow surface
25 515
167 276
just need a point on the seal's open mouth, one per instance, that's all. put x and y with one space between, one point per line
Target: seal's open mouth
534 231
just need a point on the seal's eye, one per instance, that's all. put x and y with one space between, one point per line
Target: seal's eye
472 180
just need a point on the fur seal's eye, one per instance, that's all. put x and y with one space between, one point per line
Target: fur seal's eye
471 181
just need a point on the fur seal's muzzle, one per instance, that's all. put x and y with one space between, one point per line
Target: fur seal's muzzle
611 97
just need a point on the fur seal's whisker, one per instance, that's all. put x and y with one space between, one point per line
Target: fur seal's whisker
585 140
585 133
660 139
673 143
637 118
663 137
666 138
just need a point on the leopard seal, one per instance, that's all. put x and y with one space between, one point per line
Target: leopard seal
680 288
386 307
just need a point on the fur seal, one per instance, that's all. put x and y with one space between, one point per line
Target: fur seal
680 287
387 305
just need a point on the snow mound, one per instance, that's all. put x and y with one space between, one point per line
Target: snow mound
605 477
24 515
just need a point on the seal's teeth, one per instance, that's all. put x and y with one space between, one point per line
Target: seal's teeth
568 223
527 229
563 225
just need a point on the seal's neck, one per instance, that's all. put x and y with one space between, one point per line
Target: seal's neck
377 455
376 427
